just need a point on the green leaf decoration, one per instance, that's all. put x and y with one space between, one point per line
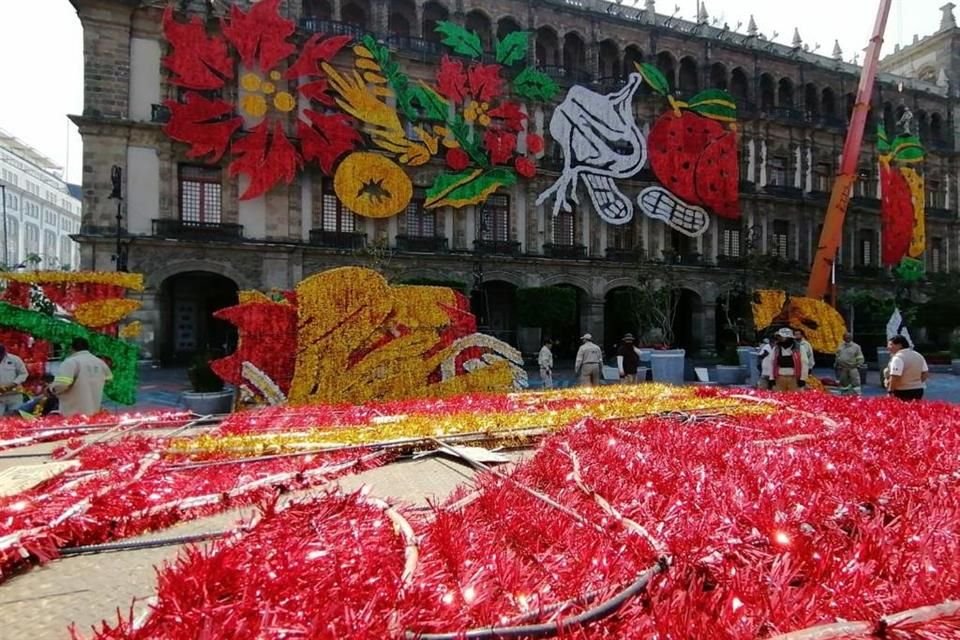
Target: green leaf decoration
715 104
122 355
883 142
654 78
907 149
513 48
472 186
535 85
461 41
397 80
910 269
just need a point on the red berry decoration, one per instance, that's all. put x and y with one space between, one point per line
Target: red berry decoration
534 143
457 159
693 147
525 167
896 214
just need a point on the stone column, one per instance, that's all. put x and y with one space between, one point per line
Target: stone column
708 325
591 320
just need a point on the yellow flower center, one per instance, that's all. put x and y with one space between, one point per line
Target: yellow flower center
255 103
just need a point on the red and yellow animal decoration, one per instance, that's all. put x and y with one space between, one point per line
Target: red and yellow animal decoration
346 335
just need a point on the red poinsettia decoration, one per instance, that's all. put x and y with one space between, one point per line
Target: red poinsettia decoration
259 39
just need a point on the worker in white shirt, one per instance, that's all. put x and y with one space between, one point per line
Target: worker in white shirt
545 360
13 373
588 363
80 380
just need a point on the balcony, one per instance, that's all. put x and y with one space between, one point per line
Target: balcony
732 262
788 114
940 213
618 254
338 239
203 231
671 256
422 244
313 24
421 47
565 251
783 191
496 247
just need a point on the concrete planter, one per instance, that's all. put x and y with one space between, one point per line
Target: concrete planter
955 367
645 354
205 404
753 368
668 366
743 354
730 375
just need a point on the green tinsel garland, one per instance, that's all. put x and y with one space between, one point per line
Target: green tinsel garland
122 355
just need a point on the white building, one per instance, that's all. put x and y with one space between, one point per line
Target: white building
42 212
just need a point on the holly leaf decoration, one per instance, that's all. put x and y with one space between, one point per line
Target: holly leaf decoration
266 157
535 85
451 79
197 60
510 114
461 41
317 49
203 124
715 104
317 90
371 49
513 48
260 34
472 186
907 149
485 81
883 142
653 77
326 137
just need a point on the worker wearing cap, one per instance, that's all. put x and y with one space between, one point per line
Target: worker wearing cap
589 361
628 359
785 366
13 373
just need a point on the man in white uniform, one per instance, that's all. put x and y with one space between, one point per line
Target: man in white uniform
908 370
589 361
13 373
545 360
79 382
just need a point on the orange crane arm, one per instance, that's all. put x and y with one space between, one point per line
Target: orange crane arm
832 232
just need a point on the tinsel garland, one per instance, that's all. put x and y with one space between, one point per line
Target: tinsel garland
131 281
122 355
828 509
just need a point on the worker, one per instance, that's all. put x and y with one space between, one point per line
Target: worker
545 360
79 382
13 373
785 366
628 359
908 370
589 361
849 360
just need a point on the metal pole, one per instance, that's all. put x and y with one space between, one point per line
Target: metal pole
3 197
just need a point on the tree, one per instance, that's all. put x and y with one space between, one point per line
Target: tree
553 309
656 301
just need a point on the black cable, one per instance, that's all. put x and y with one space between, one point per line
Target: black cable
550 629
136 545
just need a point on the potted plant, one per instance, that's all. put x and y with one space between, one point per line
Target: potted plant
730 371
209 397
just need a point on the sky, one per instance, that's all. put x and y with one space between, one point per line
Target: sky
41 52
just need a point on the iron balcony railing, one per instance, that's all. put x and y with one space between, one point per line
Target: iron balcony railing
421 244
338 239
192 230
565 251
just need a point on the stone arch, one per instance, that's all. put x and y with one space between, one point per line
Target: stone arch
688 76
402 18
828 103
667 65
433 12
740 86
574 52
568 279
632 54
186 304
356 13
479 22
506 26
767 92
156 277
811 100
547 47
608 60
718 76
923 126
936 128
317 9
785 97
889 122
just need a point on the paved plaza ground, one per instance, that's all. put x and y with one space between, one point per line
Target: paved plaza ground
43 602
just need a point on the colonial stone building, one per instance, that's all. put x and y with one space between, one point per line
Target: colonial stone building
186 229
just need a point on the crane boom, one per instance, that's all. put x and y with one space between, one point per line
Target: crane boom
832 232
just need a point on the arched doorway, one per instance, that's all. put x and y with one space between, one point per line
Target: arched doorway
688 321
620 314
567 338
187 303
493 302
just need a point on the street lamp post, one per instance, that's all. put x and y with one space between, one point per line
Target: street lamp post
116 178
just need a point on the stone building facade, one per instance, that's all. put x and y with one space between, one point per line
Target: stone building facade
793 106
42 212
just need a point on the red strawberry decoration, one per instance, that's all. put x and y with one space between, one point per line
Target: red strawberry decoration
693 147
897 211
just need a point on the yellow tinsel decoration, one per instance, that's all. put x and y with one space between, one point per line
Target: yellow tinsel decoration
100 313
131 281
131 331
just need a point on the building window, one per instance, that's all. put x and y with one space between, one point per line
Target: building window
823 175
623 236
495 219
938 260
934 194
65 252
335 216
564 231
50 249
420 222
200 191
730 243
780 239
13 241
778 172
866 248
